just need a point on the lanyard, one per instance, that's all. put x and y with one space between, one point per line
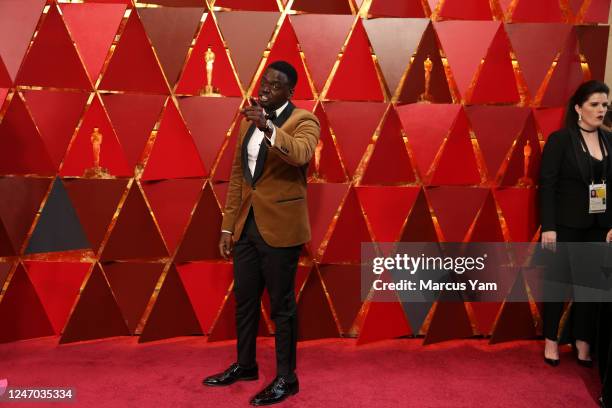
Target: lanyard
604 158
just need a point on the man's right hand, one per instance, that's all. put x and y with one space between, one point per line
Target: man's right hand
226 245
549 240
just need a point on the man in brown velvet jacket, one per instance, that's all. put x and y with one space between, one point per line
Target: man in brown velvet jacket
265 224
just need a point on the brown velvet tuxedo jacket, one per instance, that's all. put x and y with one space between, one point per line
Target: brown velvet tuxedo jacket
277 190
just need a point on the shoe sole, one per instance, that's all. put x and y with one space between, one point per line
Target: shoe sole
239 379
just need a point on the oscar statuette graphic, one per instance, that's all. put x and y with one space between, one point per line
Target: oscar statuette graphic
317 160
526 181
426 96
96 171
209 90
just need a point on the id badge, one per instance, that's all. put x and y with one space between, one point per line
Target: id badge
597 198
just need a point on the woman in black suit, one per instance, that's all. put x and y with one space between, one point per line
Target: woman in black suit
573 159
605 328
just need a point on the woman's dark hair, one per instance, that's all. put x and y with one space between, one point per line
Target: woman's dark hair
582 94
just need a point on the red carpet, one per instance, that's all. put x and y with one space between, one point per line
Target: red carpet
119 372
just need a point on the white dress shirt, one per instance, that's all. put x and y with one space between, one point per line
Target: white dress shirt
257 139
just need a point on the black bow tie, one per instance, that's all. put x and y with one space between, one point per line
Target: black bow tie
271 116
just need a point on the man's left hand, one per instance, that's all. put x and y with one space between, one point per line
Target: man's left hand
609 236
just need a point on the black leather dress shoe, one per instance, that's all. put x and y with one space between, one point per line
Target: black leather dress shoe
234 373
276 392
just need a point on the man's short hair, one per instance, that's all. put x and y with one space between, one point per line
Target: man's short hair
287 69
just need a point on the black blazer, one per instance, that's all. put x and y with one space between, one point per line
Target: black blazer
564 183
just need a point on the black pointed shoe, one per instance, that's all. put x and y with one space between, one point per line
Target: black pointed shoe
581 362
276 392
552 362
234 373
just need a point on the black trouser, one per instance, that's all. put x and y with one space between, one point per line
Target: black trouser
583 316
258 265
604 347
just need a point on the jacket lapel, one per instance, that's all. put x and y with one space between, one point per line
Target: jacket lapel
282 118
245 154
581 158
263 150
606 142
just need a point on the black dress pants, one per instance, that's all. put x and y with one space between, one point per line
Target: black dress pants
604 347
258 265
583 316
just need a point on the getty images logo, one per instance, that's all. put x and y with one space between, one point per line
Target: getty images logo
3 385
